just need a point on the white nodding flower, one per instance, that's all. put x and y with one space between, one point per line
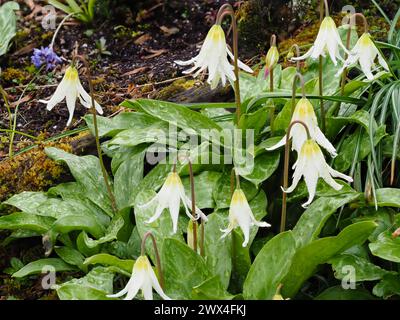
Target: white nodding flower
365 52
240 214
304 111
327 41
143 277
311 164
71 89
170 196
213 57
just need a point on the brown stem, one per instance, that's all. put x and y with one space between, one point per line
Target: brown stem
96 131
324 4
286 171
232 181
143 252
193 206
321 93
227 9
297 48
301 78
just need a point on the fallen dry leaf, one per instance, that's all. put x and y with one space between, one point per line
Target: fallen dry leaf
169 31
25 50
135 71
155 53
142 39
24 99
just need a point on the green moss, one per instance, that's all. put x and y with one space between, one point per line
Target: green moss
13 75
175 88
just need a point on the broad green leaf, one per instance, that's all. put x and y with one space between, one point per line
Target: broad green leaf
307 258
364 269
218 252
241 262
386 247
8 24
283 118
125 120
313 219
27 201
264 166
158 132
126 179
388 197
270 267
94 286
255 120
26 221
204 186
110 260
70 256
183 269
360 117
77 222
45 265
383 217
211 289
389 286
86 170
117 223
338 293
177 114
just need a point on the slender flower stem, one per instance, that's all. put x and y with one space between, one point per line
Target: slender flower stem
303 90
14 125
193 195
297 49
58 29
143 252
227 9
7 105
271 87
286 171
232 181
96 134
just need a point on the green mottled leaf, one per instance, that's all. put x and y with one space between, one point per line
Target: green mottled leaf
270 267
264 166
320 251
389 286
8 24
386 247
313 219
38 266
27 201
70 256
211 289
94 286
26 221
183 269
338 293
110 260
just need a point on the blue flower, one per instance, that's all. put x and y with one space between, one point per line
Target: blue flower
45 56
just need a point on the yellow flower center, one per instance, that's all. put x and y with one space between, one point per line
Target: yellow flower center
328 23
238 197
365 40
216 33
71 73
304 108
173 179
142 263
309 148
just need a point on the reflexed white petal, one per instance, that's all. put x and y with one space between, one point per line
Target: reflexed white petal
71 101
311 179
338 174
57 97
226 231
366 66
320 43
185 63
281 143
174 204
332 46
156 285
325 174
241 65
383 62
86 100
304 56
159 210
324 142
147 288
